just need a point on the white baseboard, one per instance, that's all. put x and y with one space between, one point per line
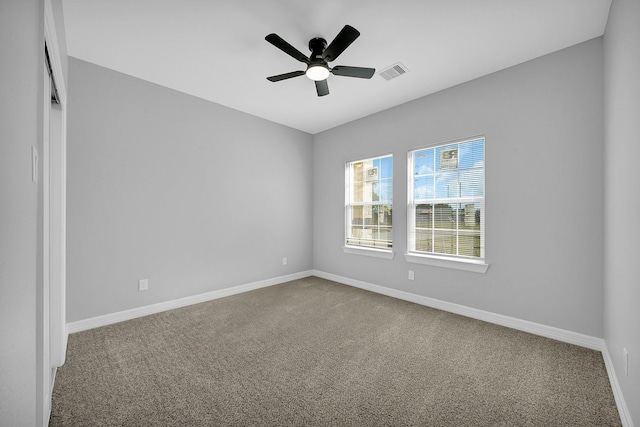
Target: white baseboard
623 410
511 322
108 319
498 319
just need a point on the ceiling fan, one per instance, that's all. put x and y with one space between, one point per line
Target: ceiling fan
318 62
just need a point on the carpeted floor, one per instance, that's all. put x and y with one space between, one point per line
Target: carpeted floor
317 353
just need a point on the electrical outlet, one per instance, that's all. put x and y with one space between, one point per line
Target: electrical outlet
625 354
143 284
284 261
411 275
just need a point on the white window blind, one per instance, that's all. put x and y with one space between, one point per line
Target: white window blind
445 215
369 202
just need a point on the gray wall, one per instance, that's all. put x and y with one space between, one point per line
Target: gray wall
622 180
543 122
164 186
21 50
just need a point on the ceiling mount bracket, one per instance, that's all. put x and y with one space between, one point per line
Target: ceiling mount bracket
317 46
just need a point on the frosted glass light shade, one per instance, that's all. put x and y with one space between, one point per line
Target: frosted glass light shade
317 72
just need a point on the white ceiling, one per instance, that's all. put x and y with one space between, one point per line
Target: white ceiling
215 49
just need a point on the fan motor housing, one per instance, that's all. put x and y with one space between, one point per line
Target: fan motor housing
318 62
317 46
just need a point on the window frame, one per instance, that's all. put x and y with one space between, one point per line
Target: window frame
359 249
455 261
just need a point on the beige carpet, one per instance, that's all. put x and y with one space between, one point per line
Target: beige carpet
317 353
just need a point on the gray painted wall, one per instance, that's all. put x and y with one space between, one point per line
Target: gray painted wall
543 122
164 186
119 156
622 179
21 50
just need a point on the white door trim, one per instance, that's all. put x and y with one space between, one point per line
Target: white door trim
58 174
51 315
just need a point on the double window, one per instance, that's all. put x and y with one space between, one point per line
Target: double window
445 206
446 200
369 202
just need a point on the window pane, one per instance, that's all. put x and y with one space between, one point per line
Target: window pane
424 216
469 244
385 190
382 237
383 214
444 242
367 215
371 192
356 232
386 168
423 162
370 181
447 157
424 240
444 216
357 185
423 188
358 171
447 185
447 175
471 154
469 216
362 235
471 183
356 215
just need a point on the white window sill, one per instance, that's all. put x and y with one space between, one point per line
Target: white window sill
372 252
456 264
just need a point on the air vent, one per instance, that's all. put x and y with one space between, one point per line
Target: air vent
393 71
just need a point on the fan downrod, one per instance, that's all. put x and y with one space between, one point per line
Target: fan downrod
317 46
321 55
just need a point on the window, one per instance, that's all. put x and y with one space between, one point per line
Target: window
445 215
369 202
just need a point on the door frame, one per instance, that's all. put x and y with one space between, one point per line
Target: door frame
58 196
51 316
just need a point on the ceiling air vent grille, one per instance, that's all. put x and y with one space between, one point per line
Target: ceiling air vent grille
396 70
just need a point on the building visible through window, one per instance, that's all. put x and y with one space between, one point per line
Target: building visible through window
446 200
369 202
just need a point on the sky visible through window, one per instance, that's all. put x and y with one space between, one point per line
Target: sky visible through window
370 202
461 179
383 189
447 204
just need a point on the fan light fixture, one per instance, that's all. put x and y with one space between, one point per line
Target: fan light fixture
318 62
317 72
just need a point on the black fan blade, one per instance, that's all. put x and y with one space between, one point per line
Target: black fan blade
360 72
285 76
281 44
345 37
322 87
